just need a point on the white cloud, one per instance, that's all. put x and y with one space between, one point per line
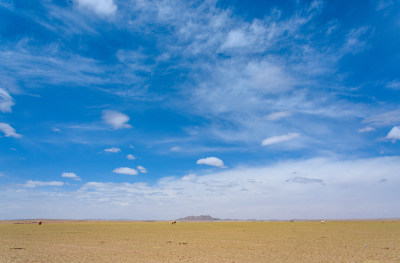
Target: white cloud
175 148
113 150
142 169
125 170
354 42
189 177
130 157
304 180
395 84
394 134
383 119
7 4
6 101
56 130
9 131
33 184
71 175
100 7
235 39
366 129
116 119
383 4
278 115
280 138
313 188
213 161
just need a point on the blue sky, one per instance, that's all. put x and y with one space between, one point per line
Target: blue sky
159 109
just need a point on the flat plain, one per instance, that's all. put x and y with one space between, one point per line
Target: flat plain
134 241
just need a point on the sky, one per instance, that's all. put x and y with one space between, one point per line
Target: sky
161 109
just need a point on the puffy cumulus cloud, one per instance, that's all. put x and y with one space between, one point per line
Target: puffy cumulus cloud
71 175
6 101
286 190
116 119
142 169
9 131
130 157
366 129
280 138
33 184
213 161
394 134
113 150
100 7
125 170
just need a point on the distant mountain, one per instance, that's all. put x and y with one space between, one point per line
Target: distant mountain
199 218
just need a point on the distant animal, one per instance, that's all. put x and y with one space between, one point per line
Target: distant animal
322 222
40 223
173 222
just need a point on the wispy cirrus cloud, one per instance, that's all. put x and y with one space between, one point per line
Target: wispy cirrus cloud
384 119
278 115
100 7
395 84
383 4
367 129
6 101
113 150
9 131
239 70
280 138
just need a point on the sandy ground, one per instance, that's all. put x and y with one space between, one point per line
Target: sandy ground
103 241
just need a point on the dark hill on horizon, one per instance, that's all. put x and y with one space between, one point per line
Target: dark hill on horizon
199 218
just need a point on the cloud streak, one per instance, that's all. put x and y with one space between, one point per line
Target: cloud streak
33 184
279 139
125 170
113 150
6 101
9 131
71 176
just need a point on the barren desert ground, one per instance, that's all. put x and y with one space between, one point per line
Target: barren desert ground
113 241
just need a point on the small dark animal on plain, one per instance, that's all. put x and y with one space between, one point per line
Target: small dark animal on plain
40 223
173 222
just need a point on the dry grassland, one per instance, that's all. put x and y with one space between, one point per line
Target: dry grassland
200 242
